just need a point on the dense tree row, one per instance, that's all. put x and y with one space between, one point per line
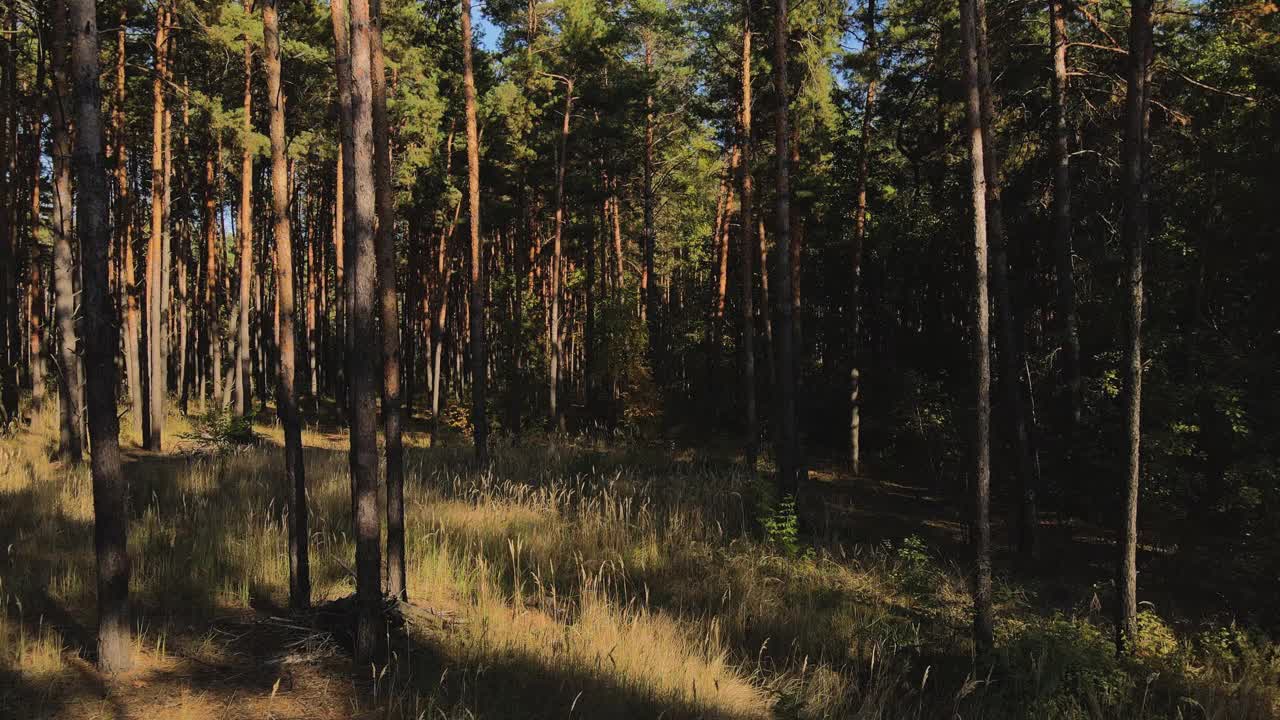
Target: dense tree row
359 207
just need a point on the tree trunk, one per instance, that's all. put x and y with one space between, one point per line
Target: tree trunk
153 421
244 236
1135 167
363 271
787 440
286 393
10 332
751 431
984 620
109 485
859 243
1066 284
479 358
70 441
648 278
388 303
557 260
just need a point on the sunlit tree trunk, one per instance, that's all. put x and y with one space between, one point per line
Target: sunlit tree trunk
109 485
984 620
70 441
479 358
859 243
1135 163
648 279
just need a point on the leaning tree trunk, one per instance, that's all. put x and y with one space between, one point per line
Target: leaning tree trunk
363 279
286 393
479 359
787 434
983 613
386 261
109 486
751 432
70 440
1135 161
859 242
244 233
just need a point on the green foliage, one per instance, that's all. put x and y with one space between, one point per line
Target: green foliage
220 429
781 525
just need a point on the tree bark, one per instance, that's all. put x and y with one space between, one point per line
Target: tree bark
70 440
787 436
1135 166
984 616
648 278
751 431
859 243
364 430
479 358
109 485
10 332
244 236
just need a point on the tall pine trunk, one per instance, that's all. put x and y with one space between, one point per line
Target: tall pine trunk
787 434
244 236
389 306
479 358
153 419
557 264
983 612
751 431
286 392
1028 540
363 280
1066 285
109 485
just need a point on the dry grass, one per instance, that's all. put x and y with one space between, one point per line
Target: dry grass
585 578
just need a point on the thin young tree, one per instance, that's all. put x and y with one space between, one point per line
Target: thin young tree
385 242
859 242
70 439
363 279
1135 163
983 612
286 392
479 360
787 435
100 338
557 262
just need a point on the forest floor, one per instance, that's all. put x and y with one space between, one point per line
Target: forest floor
593 576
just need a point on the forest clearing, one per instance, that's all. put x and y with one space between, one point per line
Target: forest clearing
794 359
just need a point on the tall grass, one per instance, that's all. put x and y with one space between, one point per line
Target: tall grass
571 578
